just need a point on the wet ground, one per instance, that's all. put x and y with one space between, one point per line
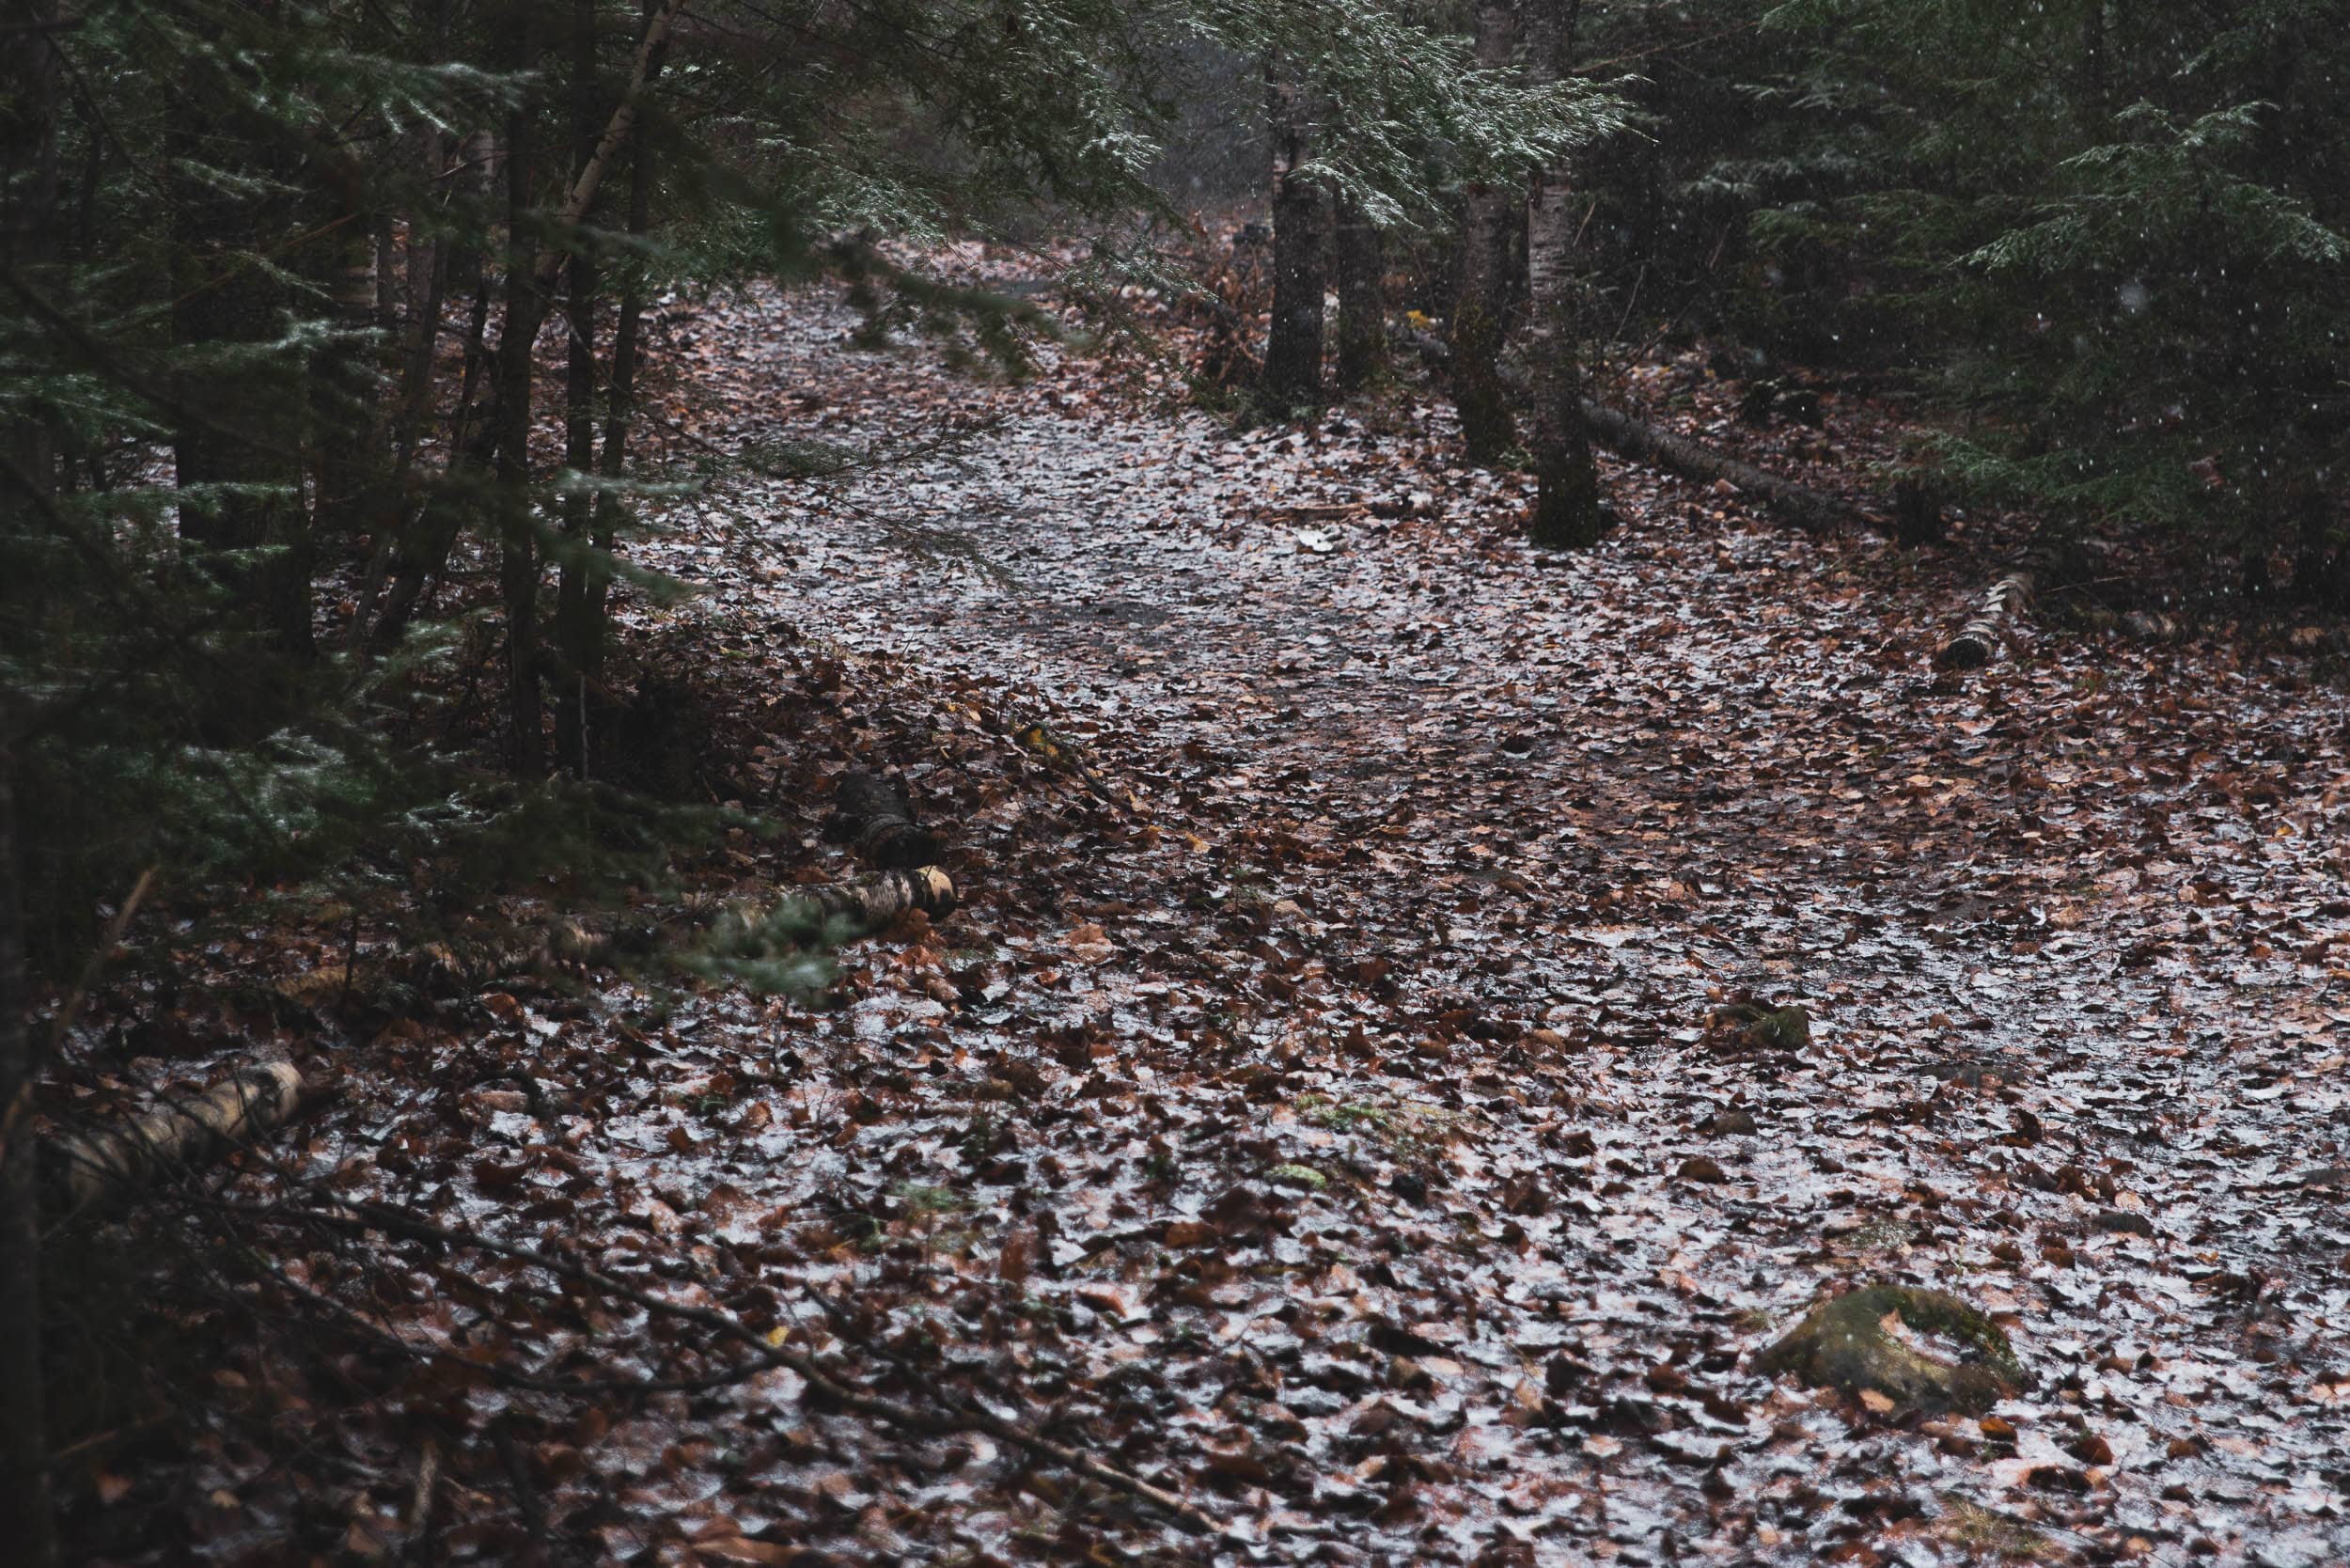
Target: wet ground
1500 829
1319 1107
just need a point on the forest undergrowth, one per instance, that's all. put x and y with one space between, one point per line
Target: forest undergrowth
1420 1017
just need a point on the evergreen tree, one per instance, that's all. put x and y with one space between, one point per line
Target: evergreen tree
2118 238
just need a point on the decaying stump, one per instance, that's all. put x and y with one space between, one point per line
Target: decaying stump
1917 512
1978 641
176 1136
875 816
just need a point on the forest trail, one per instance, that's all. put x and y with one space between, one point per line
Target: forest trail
1451 851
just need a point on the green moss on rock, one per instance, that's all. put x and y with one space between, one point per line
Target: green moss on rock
1844 1343
1775 1029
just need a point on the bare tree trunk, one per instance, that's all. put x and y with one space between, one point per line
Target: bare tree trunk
1479 314
24 1510
1567 511
1362 267
349 433
574 633
621 395
1293 358
431 534
30 80
518 552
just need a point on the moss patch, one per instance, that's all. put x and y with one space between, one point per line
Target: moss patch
1849 1343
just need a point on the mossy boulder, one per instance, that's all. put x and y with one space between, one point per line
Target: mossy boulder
1770 1029
1950 1358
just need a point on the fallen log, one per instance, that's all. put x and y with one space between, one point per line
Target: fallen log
1642 442
93 1166
1645 443
1978 641
875 817
868 904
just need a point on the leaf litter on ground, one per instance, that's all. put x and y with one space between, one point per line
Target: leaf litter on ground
1341 1097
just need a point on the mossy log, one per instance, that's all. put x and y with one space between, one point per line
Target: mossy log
1847 1344
876 818
1980 640
94 1165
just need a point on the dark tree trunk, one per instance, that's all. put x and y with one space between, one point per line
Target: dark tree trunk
431 534
518 551
1479 314
30 181
1567 510
621 395
576 631
24 1510
1293 358
1362 267
31 81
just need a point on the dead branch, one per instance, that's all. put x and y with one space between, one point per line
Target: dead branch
870 902
582 197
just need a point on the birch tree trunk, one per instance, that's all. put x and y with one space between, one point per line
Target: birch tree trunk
1567 513
1293 358
1479 317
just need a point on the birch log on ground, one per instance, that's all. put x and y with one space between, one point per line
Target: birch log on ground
1978 641
876 818
178 1137
870 902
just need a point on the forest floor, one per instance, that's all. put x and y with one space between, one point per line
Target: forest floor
1322 1103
